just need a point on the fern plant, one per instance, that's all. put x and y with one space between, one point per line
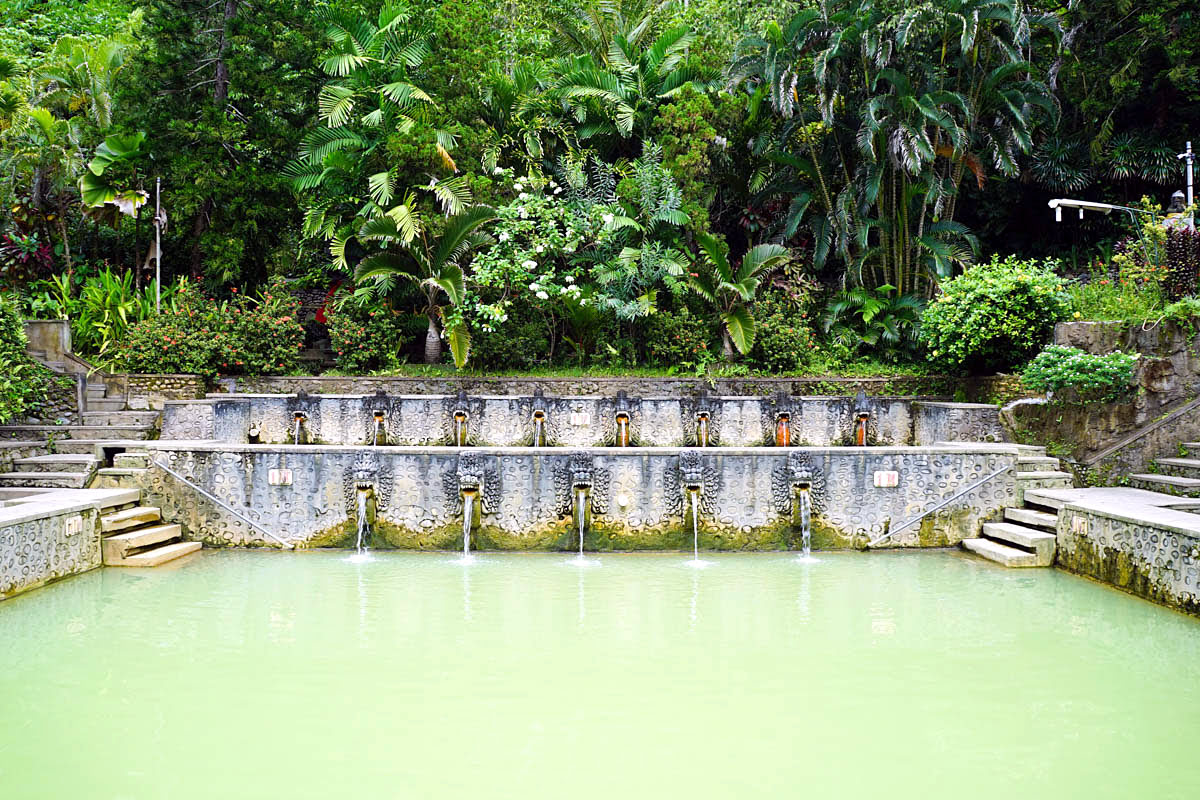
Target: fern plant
880 321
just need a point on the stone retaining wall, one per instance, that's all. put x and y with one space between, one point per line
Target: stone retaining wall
507 421
638 498
148 391
42 542
1153 553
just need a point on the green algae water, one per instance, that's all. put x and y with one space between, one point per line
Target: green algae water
279 675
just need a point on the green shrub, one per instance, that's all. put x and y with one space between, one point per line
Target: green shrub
364 339
1092 378
783 340
24 384
680 340
242 336
519 340
994 316
1105 299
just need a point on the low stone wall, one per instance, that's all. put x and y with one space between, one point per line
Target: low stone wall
638 498
1151 552
507 421
934 386
41 542
60 406
148 391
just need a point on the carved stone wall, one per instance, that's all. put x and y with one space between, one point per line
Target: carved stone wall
151 391
39 544
1160 562
523 506
505 421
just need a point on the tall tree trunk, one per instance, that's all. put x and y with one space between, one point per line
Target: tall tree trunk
433 342
727 345
61 219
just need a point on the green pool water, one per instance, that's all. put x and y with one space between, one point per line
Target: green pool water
275 675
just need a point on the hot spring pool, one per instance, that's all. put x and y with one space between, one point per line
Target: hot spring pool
882 675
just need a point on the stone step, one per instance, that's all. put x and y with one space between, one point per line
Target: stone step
121 418
158 555
1183 467
120 546
76 431
1193 449
1036 464
1040 543
8 493
45 480
1032 518
1038 498
60 462
129 518
131 460
105 404
78 446
1167 484
1000 553
1044 475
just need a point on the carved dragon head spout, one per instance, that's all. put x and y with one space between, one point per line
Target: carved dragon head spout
800 471
539 405
704 405
462 405
367 474
470 473
691 471
582 470
783 406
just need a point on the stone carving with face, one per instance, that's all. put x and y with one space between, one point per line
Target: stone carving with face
692 409
795 471
368 472
473 473
580 471
695 473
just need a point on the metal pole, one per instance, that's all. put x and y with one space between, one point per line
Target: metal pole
1190 157
158 245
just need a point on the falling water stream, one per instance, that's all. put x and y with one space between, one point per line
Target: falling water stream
702 431
296 431
468 514
538 440
364 528
460 430
580 507
375 434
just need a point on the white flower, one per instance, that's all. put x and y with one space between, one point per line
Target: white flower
540 249
529 264
608 218
558 190
518 187
504 236
569 278
523 214
523 196
543 296
497 170
553 184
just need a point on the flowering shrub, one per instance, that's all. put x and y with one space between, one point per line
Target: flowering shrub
681 339
24 384
23 257
242 336
784 341
994 316
363 339
1093 378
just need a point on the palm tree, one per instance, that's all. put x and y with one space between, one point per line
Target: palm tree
434 263
732 291
589 27
80 74
620 96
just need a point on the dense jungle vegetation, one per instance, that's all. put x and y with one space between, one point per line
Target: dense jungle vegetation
685 186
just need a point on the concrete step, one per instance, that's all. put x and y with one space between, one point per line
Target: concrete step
8 493
45 480
1038 542
131 460
1192 448
1183 467
60 462
129 518
1044 475
105 404
1032 518
1167 484
78 446
1000 553
121 418
120 546
76 431
1037 464
158 555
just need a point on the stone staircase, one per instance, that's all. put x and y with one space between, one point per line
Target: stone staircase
136 536
1027 535
1179 476
54 471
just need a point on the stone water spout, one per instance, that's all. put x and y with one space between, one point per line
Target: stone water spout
783 420
474 484
698 483
797 489
623 419
538 417
299 427
367 488
460 419
378 405
582 491
862 419
304 417
704 419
